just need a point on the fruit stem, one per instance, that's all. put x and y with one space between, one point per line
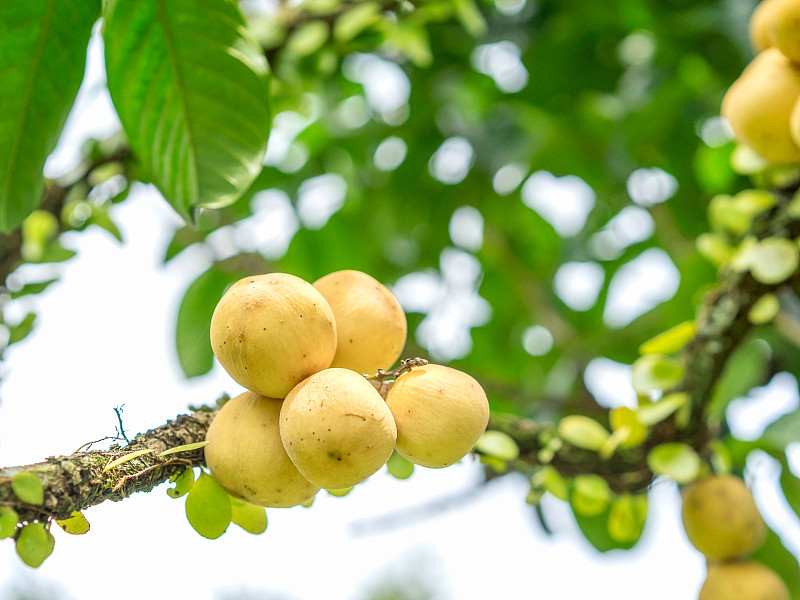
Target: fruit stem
379 379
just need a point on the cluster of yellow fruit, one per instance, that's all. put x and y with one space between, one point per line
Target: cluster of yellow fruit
722 521
762 106
311 419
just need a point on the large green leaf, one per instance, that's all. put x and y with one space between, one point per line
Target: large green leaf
191 90
778 558
43 50
194 320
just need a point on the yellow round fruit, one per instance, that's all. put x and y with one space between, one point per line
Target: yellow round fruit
759 103
337 429
272 331
246 456
760 24
743 581
721 518
440 413
370 323
783 27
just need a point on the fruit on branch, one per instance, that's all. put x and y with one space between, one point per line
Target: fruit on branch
742 581
370 323
760 24
721 518
440 413
272 331
779 24
337 428
246 456
759 103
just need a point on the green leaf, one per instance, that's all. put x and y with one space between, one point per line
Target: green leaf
33 288
745 369
790 485
498 445
656 372
340 493
470 17
308 38
249 517
764 309
43 45
635 431
191 89
590 495
596 531
782 432
184 448
34 544
777 557
355 20
28 488
23 329
194 321
582 432
76 524
670 340
676 460
399 467
183 483
650 414
208 507
8 521
626 517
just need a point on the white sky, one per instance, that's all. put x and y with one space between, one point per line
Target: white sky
104 337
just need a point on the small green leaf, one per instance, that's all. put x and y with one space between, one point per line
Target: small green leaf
771 261
23 329
627 517
399 467
32 288
34 544
582 432
208 507
498 445
625 417
676 460
8 521
470 17
714 248
183 483
307 39
355 20
28 488
650 414
184 448
340 493
38 230
249 517
590 495
128 457
76 524
764 309
555 483
790 485
656 372
670 340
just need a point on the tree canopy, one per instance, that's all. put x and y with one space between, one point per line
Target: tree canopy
548 189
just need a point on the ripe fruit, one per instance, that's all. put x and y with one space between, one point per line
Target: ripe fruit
743 581
336 428
783 27
272 331
721 518
760 23
440 414
759 103
246 456
370 323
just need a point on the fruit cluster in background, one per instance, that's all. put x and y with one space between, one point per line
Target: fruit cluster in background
722 521
762 104
311 418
